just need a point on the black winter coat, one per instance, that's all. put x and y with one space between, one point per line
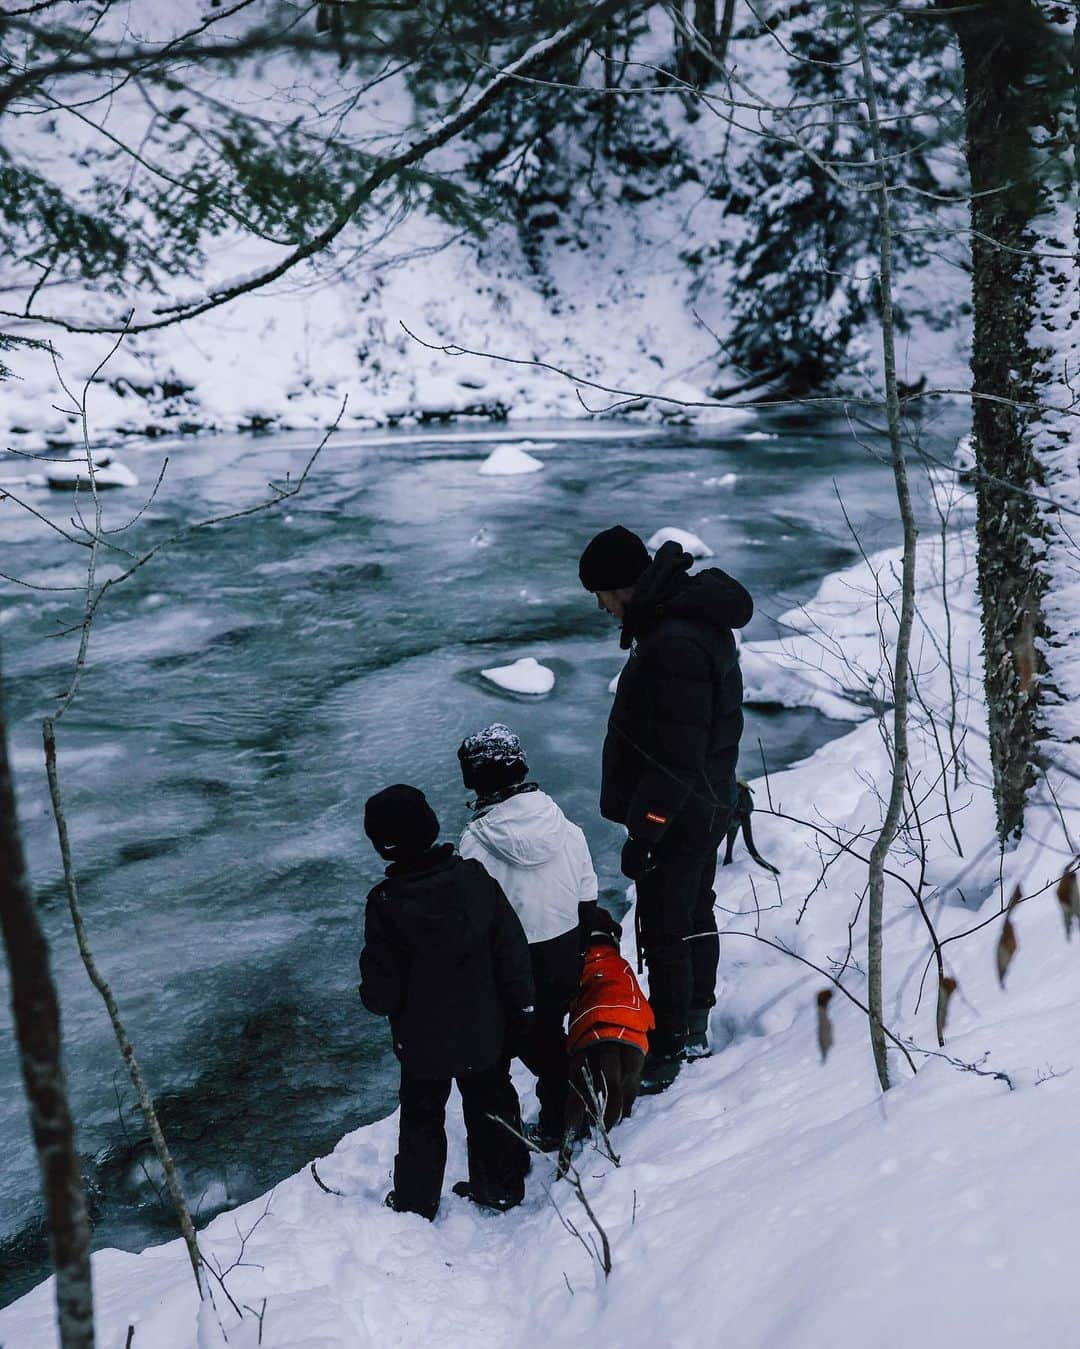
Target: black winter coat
445 958
673 733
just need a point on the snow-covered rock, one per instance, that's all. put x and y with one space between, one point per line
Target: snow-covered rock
67 474
509 460
689 542
526 675
724 480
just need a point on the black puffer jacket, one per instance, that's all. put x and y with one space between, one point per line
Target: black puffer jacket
445 958
673 734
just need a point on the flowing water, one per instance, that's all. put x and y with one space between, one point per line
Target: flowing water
254 683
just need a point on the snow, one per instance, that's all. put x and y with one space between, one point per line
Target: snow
767 1199
74 472
612 295
690 543
964 459
526 675
724 480
508 461
613 686
832 657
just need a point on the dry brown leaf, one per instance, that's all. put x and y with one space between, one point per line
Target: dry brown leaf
1068 894
1006 948
824 1025
946 988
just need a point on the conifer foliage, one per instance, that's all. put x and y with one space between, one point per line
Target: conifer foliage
804 280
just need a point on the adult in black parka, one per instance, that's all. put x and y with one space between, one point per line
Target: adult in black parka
445 958
669 766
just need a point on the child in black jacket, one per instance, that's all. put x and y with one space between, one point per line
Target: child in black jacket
445 958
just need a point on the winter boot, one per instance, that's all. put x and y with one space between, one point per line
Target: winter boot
497 1203
697 1038
659 1072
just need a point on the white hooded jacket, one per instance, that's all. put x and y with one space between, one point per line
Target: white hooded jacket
539 858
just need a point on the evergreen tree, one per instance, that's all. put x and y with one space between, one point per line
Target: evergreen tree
804 271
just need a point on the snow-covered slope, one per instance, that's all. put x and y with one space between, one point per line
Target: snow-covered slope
768 1199
621 287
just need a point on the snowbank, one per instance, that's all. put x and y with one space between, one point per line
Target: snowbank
768 1200
833 658
526 675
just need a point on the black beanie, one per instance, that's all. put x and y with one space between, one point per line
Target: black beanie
400 823
613 560
492 759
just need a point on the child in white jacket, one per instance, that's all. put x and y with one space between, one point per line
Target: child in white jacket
541 860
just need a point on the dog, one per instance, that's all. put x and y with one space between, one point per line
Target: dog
740 820
607 1038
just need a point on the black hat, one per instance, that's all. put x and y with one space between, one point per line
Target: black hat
492 759
400 823
613 560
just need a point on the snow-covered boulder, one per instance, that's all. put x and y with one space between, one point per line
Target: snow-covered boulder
724 480
526 675
508 461
689 542
67 474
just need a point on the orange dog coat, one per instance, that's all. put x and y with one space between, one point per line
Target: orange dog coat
610 1004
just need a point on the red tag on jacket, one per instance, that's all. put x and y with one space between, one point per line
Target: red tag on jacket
656 819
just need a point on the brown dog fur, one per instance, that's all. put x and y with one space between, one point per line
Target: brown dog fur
614 1067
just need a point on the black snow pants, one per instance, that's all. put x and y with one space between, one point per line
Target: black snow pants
556 967
498 1160
678 937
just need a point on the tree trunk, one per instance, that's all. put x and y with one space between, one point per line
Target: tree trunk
37 1029
700 52
1021 115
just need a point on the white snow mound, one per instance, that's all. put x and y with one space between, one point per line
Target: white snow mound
690 542
73 472
507 461
526 675
724 480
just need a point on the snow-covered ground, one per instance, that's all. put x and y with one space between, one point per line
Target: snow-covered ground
768 1199
622 290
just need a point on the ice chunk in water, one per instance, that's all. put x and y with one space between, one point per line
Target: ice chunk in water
508 460
526 675
690 542
725 480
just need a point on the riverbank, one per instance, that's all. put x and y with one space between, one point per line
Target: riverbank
768 1198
